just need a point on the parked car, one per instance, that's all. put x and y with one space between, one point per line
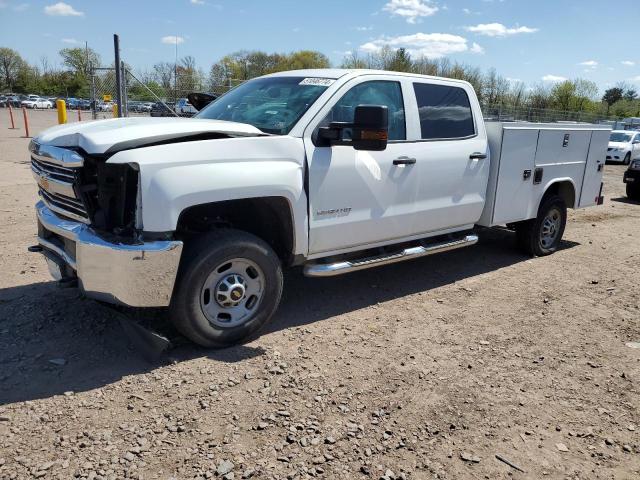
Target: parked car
160 109
332 170
632 180
15 100
105 107
36 103
624 146
184 108
3 101
72 103
145 107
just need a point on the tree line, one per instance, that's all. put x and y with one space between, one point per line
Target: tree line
168 79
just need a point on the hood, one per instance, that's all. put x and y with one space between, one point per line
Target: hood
619 144
109 136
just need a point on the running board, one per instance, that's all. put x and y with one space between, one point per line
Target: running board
338 268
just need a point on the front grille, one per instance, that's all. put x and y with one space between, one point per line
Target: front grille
50 170
67 206
57 170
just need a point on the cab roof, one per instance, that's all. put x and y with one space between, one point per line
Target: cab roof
336 73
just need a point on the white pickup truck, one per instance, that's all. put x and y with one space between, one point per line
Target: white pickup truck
331 170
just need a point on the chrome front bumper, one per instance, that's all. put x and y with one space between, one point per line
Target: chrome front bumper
137 275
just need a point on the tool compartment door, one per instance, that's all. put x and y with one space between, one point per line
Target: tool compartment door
594 168
562 154
514 183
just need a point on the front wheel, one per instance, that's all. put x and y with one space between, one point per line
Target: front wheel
228 287
542 235
633 192
627 159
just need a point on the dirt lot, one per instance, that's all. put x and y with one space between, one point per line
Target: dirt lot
427 369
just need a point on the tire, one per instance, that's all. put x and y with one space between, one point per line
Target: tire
627 159
542 235
203 303
633 192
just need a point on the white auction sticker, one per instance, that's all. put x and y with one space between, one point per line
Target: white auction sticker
318 82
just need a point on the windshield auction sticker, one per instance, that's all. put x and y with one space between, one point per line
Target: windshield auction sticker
318 82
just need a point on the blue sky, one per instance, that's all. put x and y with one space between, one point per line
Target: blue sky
528 40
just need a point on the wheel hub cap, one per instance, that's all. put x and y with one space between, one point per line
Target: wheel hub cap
550 228
232 293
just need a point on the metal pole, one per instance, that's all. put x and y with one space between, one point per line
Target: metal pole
125 105
94 102
116 47
175 75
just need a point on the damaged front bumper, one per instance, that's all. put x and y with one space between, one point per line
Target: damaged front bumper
137 274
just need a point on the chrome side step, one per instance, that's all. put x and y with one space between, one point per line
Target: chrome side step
338 268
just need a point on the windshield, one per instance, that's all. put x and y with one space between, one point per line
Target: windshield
271 104
620 137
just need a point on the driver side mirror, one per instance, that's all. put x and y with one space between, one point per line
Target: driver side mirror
369 130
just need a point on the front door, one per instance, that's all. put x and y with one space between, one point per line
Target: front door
360 197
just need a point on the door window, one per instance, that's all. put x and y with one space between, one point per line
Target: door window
445 112
374 92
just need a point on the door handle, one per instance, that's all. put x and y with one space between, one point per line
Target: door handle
477 156
404 161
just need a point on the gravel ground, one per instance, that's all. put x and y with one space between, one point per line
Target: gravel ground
427 369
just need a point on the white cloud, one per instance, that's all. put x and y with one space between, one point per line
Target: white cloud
475 48
197 2
553 79
363 29
69 41
498 30
628 63
172 40
589 63
62 9
635 79
410 10
430 45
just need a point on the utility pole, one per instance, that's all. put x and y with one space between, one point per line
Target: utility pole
116 47
86 58
175 75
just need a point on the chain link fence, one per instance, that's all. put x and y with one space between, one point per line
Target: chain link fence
168 97
519 113
148 96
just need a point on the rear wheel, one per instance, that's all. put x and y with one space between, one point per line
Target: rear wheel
228 287
627 159
633 192
542 235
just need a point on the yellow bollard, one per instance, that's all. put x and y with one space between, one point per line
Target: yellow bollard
62 111
115 110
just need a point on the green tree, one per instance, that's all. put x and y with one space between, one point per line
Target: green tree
10 65
305 59
80 60
401 61
612 96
